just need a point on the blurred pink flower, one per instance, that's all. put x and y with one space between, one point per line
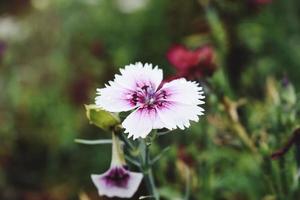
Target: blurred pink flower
192 64
156 105
117 181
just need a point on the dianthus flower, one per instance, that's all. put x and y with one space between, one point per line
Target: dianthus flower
155 105
117 181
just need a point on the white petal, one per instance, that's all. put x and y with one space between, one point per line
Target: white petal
183 91
140 123
179 115
114 98
135 74
115 191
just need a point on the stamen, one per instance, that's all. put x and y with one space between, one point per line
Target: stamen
145 87
148 98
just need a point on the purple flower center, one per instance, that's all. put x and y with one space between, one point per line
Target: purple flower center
147 97
118 177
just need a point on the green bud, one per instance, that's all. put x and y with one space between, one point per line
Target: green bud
103 119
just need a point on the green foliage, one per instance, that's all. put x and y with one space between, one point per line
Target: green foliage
62 50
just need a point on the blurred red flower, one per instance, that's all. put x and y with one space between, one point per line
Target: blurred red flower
192 64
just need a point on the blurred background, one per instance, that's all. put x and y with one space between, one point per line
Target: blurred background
55 53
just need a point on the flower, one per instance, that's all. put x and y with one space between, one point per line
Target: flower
117 181
155 105
192 64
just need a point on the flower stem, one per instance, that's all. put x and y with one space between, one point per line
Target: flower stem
147 169
151 184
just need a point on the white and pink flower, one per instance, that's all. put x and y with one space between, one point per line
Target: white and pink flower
117 181
155 105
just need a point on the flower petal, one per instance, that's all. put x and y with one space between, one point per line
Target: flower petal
175 114
137 74
114 98
181 103
117 96
183 91
116 190
140 122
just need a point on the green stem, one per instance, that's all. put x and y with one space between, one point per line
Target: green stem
127 142
147 169
244 136
150 181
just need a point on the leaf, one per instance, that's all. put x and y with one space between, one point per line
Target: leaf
146 197
92 142
132 161
101 118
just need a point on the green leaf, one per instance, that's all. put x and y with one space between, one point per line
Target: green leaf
92 142
101 118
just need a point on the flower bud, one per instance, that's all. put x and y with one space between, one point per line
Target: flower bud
103 119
